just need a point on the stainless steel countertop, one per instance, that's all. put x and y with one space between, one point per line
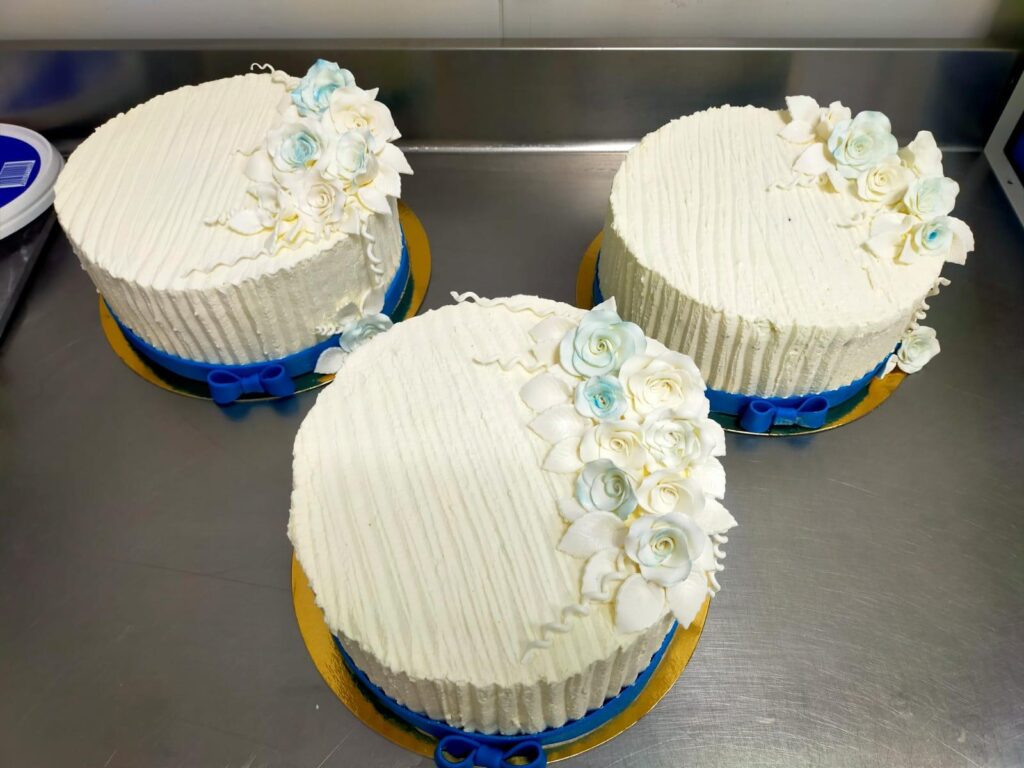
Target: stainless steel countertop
873 604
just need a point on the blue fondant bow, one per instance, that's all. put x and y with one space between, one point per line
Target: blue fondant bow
227 386
466 752
762 415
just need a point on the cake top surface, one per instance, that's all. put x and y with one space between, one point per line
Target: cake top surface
731 213
436 504
229 180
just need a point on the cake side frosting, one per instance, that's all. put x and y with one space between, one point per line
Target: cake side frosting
714 248
139 201
428 521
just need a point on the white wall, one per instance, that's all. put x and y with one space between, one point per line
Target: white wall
270 19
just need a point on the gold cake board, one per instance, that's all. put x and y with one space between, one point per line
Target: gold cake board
419 277
328 661
878 391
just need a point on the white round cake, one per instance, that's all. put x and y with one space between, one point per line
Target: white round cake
787 252
214 235
500 526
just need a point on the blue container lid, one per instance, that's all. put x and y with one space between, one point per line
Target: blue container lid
29 166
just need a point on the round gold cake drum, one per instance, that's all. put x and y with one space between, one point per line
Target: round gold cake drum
878 390
419 278
328 661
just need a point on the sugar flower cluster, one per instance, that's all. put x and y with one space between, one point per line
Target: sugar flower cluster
629 420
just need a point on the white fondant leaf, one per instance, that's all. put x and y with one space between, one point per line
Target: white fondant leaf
710 476
246 221
638 604
392 156
797 132
550 329
330 360
963 241
608 304
373 302
593 532
546 352
558 423
714 518
706 559
258 167
373 199
544 391
717 433
599 565
388 181
803 108
570 509
813 161
686 598
564 457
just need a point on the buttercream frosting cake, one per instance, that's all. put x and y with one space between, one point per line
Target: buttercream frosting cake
503 505
788 252
241 220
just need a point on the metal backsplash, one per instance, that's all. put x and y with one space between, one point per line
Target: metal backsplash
530 95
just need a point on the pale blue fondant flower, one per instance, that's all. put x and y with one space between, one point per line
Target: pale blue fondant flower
861 143
601 343
294 146
601 397
603 487
313 93
665 547
364 329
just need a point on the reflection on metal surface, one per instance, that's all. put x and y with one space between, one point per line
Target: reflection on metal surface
878 391
18 254
419 271
320 644
547 94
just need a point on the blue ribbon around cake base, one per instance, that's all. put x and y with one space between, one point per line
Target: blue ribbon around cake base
228 383
761 414
464 749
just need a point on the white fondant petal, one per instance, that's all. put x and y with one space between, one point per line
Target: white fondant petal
373 199
803 108
591 533
558 423
259 168
717 433
246 221
962 237
797 132
710 476
570 509
330 360
714 518
686 598
599 565
638 604
544 391
706 559
813 161
890 365
564 457
551 329
607 304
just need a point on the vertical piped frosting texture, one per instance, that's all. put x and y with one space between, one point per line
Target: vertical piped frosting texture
429 531
135 200
766 288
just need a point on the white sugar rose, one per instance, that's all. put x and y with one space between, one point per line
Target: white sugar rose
350 158
931 197
945 237
295 145
665 547
923 155
675 440
668 380
859 144
603 487
918 346
353 109
364 329
601 343
312 95
619 441
667 491
885 183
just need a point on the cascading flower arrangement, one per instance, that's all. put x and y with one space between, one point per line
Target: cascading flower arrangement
629 419
910 199
325 167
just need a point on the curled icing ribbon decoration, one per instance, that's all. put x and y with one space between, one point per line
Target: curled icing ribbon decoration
458 751
761 415
226 386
